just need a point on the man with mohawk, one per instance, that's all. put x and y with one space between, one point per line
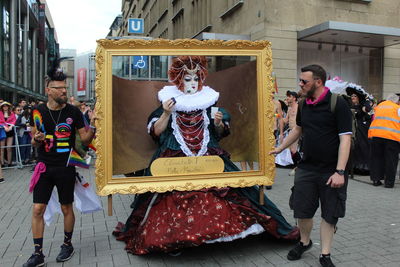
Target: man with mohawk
54 125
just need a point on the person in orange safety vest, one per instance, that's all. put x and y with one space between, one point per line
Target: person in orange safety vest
385 141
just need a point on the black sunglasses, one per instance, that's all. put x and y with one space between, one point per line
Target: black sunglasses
305 81
59 87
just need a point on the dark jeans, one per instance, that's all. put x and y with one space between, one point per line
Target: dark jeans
25 146
384 159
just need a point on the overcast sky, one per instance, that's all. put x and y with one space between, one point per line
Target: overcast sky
79 23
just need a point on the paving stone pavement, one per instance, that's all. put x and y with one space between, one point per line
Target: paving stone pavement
368 236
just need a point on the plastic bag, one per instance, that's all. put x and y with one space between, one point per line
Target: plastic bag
52 208
284 158
86 200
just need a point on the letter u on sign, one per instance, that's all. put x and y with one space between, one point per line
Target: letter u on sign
135 26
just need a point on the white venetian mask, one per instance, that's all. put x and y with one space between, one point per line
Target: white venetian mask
191 83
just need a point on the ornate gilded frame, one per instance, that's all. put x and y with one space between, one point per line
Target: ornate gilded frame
107 185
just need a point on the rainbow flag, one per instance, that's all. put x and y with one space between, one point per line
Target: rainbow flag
75 159
37 118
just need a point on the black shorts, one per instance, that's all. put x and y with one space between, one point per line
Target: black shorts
10 133
61 177
310 188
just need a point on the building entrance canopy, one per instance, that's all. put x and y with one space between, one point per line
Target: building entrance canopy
345 33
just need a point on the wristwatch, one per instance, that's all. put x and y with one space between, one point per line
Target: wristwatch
340 172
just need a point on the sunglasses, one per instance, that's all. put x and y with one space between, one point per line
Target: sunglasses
59 87
305 81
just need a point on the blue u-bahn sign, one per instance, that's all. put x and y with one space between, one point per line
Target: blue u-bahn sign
135 26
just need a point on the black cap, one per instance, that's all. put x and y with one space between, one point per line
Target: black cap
292 93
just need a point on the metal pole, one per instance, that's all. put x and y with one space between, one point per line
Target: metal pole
17 149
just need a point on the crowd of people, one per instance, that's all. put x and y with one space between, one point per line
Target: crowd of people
15 133
11 117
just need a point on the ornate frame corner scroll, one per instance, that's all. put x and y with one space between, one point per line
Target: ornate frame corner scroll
261 50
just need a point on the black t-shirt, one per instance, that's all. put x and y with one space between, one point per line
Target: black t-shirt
59 127
321 129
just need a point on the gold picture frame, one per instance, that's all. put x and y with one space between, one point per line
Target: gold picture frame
107 50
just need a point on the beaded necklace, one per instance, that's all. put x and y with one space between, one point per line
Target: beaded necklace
185 131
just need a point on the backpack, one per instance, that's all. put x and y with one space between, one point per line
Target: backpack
334 98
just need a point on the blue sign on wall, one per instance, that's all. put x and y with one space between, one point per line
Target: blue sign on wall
135 26
140 62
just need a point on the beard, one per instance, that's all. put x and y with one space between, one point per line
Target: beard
61 100
310 94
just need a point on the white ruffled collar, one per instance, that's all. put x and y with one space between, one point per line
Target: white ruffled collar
187 103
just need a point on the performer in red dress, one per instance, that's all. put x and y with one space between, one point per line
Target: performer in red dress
184 126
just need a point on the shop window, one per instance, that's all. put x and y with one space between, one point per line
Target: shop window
120 66
159 67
